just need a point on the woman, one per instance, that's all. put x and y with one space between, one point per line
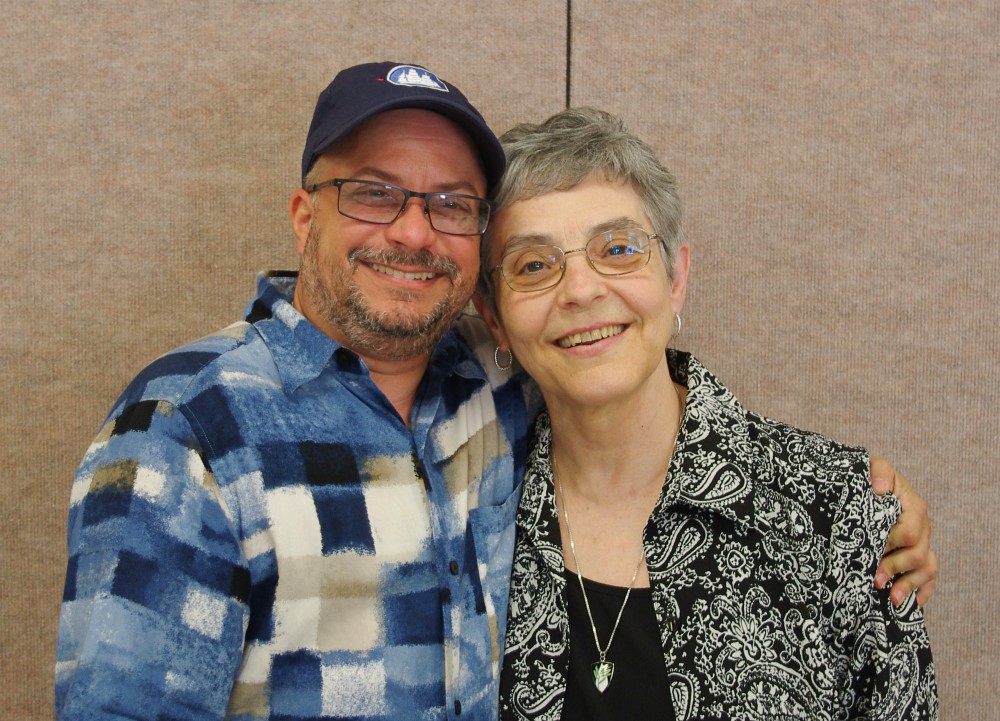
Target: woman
677 556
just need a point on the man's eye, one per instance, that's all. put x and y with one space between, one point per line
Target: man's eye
454 205
373 196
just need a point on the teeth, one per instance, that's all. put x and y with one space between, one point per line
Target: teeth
590 336
425 275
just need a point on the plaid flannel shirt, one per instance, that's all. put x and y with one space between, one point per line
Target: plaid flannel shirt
256 534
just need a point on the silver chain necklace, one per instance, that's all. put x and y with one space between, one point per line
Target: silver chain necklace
603 670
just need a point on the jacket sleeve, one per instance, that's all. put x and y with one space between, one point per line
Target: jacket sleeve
889 671
155 602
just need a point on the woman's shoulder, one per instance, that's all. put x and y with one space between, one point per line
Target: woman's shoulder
779 454
803 452
828 480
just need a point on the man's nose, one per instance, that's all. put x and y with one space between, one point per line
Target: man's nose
412 227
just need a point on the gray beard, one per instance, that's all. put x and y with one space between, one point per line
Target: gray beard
371 331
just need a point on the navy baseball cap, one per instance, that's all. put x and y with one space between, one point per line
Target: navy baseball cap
363 91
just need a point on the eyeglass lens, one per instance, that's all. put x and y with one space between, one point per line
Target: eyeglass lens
379 203
538 267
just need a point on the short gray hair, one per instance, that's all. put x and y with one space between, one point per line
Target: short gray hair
562 152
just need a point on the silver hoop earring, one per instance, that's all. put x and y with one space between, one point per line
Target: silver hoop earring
678 324
496 359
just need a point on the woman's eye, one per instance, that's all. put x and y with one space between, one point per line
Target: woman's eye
533 266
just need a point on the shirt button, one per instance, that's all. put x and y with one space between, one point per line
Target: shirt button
453 567
458 708
446 598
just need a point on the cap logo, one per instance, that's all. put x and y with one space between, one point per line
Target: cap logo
415 77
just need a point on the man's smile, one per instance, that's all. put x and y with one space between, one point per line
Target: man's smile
416 275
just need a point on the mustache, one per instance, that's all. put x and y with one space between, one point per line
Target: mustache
423 259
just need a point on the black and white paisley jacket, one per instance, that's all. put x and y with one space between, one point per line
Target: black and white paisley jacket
761 552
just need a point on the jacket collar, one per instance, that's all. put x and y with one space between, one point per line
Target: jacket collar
717 456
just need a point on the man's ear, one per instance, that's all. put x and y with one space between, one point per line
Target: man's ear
492 321
300 210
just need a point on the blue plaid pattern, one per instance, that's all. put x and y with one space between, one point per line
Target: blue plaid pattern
256 534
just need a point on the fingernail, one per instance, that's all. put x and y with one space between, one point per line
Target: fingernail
881 578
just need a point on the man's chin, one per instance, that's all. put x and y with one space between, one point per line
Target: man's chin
399 331
410 303
410 326
392 344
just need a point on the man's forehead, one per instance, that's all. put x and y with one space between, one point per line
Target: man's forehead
415 122
373 146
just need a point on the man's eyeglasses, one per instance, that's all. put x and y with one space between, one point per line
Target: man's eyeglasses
614 252
374 202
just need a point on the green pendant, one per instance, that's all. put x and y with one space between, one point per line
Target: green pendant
603 671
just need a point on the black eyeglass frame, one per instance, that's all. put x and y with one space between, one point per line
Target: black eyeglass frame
582 249
486 207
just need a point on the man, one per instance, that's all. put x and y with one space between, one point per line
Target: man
310 514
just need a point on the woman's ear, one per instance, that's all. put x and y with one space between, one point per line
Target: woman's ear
682 266
492 321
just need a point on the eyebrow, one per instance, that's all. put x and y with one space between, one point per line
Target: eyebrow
520 240
619 223
372 173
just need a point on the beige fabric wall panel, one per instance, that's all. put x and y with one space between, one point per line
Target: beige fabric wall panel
148 152
839 164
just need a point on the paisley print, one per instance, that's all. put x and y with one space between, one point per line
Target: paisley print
761 551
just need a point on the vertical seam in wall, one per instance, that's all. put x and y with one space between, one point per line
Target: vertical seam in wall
569 50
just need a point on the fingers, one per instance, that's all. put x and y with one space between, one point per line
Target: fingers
908 567
883 476
908 558
922 579
913 526
925 591
903 490
914 558
911 532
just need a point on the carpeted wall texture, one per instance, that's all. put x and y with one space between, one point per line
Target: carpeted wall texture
840 166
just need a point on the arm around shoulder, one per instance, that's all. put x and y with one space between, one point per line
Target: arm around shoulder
890 663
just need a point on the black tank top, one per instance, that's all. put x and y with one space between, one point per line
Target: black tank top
638 689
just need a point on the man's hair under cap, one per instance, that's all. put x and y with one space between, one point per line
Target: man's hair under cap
363 91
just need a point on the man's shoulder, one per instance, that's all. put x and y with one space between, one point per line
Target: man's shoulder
172 376
472 330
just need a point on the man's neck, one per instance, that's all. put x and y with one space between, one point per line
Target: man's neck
398 380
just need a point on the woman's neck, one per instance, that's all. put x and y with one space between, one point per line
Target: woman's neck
618 448
609 465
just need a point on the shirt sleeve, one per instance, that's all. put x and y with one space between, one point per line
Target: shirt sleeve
154 608
889 671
